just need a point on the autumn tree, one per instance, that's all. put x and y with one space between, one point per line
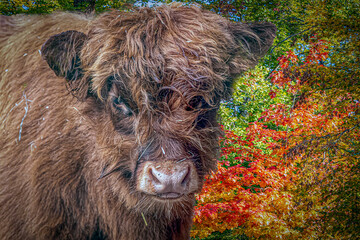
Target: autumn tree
321 137
334 83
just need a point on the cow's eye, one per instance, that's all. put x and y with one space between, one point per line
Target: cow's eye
122 107
196 103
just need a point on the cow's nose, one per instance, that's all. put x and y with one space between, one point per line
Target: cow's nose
167 179
170 183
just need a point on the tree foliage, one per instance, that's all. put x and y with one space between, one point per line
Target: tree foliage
313 138
9 7
294 173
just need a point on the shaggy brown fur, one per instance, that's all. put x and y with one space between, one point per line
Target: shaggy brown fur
142 90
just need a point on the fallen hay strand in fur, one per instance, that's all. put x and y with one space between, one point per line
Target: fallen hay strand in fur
142 214
26 108
145 149
181 160
26 111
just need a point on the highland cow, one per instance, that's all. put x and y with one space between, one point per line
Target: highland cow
108 123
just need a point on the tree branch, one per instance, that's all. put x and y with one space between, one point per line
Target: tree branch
295 34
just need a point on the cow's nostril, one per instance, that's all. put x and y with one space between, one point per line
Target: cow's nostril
153 177
186 179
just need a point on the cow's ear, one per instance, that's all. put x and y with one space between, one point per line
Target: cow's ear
252 40
62 53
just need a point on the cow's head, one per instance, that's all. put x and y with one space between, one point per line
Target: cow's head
159 75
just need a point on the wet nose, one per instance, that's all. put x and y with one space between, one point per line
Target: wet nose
170 183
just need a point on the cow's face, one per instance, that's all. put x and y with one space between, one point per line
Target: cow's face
160 75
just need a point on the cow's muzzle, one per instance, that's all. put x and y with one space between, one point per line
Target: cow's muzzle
168 179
